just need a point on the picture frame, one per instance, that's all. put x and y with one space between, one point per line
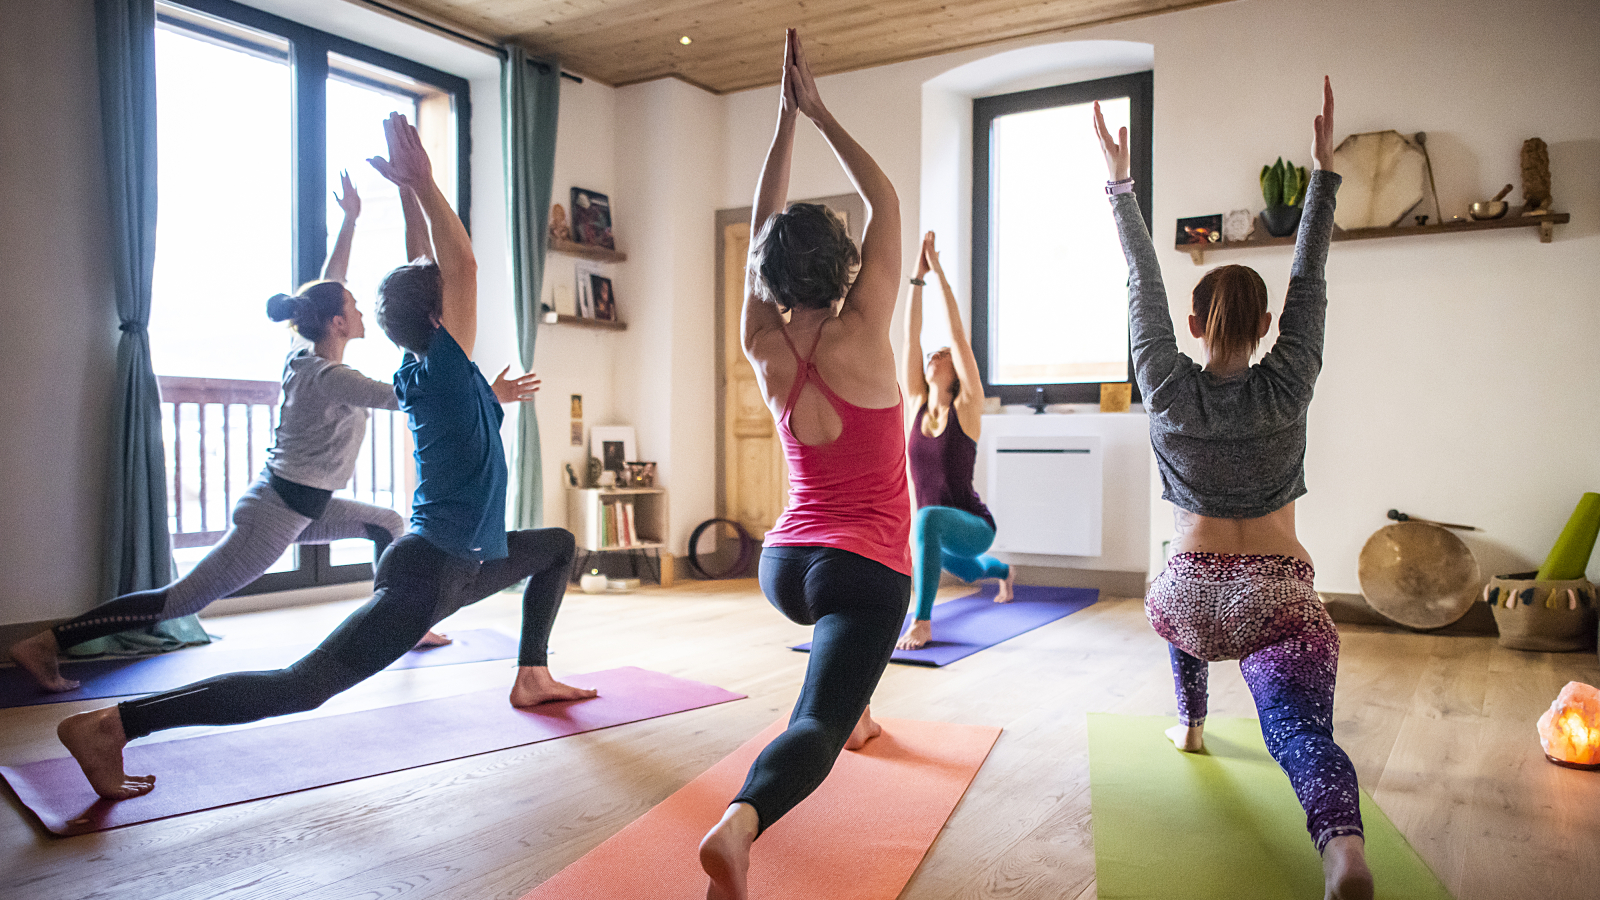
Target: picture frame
591 218
583 287
602 298
614 446
1200 230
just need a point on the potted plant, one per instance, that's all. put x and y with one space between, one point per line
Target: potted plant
1283 186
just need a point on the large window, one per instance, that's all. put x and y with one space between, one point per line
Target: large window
1049 285
256 117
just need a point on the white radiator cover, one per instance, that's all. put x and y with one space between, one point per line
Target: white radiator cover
1047 493
1081 511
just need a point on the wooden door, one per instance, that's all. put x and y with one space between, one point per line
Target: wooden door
755 476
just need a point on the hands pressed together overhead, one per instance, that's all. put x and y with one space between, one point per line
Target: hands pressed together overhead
408 165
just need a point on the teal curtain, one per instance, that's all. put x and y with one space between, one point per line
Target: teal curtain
138 548
530 96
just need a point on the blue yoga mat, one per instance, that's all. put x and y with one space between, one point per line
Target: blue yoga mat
963 626
148 674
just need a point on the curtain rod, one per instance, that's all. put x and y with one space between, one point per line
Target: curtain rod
496 50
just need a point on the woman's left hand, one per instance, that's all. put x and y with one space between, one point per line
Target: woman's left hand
1322 130
805 86
1115 150
929 258
514 390
351 201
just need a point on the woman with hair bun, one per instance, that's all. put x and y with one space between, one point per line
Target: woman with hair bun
1230 444
816 330
321 422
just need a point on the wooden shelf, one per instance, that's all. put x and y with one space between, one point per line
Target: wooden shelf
1546 225
602 324
588 251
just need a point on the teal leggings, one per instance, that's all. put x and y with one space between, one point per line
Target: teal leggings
954 540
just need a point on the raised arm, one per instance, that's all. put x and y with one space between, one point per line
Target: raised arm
339 260
877 284
772 190
916 380
408 166
1155 347
1296 357
417 243
960 346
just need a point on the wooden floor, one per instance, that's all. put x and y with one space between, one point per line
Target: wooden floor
1441 730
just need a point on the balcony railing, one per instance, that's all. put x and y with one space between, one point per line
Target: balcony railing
217 432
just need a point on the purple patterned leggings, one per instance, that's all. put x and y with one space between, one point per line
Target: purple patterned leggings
1262 611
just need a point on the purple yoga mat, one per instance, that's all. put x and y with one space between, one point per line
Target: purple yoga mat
963 626
148 674
252 763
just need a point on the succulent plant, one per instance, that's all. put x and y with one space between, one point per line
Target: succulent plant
1283 184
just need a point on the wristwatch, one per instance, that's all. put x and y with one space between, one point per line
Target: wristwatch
1119 187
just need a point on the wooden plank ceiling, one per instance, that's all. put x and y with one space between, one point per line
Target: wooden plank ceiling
737 44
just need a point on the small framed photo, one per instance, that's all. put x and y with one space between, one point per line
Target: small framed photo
577 432
577 406
605 303
591 218
583 287
613 445
1200 230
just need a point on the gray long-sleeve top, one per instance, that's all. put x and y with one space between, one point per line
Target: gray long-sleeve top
1230 447
322 420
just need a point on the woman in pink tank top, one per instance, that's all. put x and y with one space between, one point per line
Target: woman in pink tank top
838 557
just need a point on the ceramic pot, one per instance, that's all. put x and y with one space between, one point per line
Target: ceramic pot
1281 221
1552 616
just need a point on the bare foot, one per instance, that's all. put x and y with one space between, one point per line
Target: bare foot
725 853
95 740
865 730
1008 587
37 657
432 639
535 686
1344 869
1188 738
917 636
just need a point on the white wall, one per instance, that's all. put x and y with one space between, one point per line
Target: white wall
669 166
1458 382
59 336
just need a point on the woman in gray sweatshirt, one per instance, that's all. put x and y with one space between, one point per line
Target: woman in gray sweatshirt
321 422
1229 440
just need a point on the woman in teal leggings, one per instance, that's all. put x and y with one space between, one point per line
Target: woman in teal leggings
952 528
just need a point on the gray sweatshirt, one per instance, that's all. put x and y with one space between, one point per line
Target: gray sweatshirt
322 420
1230 447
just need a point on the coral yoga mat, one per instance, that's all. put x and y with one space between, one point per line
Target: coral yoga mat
1218 825
963 626
859 837
229 767
122 676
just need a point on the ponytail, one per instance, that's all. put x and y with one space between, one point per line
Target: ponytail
310 310
1231 301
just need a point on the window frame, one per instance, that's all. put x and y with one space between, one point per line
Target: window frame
309 72
1139 88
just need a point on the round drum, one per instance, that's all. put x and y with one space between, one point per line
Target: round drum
1419 575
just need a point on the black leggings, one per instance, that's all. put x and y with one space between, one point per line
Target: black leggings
416 586
857 606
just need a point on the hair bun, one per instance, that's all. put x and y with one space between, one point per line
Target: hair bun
280 307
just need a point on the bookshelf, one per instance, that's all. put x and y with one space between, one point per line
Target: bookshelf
618 520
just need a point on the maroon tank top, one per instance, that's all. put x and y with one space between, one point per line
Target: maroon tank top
941 467
851 492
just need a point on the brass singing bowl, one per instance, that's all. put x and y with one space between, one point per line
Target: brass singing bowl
1487 209
1419 575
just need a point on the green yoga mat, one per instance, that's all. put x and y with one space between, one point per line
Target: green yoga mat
1222 824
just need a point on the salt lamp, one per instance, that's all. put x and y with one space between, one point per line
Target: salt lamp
1569 730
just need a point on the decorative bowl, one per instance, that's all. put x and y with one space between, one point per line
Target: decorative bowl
1487 209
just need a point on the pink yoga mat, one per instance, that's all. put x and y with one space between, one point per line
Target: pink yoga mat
249 764
860 836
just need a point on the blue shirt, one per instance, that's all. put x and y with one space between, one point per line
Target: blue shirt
460 501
